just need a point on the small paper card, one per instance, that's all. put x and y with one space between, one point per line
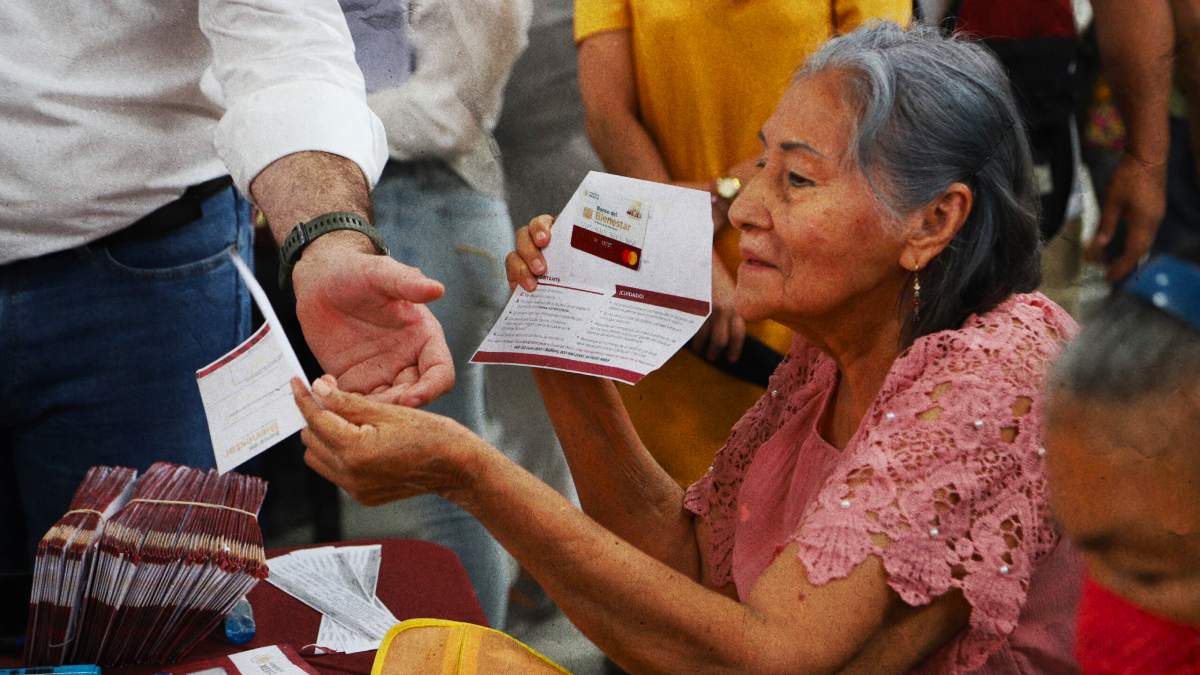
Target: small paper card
611 226
246 393
629 282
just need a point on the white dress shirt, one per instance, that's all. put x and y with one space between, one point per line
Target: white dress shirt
110 109
463 52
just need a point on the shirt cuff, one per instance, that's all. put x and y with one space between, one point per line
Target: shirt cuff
297 117
600 16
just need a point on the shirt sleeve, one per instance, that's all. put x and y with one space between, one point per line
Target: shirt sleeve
949 471
598 16
850 14
286 73
465 51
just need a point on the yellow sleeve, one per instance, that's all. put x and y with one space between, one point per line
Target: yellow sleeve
850 14
598 16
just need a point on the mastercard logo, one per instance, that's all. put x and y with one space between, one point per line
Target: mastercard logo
630 257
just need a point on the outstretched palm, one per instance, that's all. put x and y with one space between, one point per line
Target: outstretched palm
365 322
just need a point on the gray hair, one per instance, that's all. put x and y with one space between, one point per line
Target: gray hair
935 110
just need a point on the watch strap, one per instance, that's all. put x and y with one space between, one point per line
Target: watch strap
307 232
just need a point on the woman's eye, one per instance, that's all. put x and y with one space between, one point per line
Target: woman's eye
796 180
1147 579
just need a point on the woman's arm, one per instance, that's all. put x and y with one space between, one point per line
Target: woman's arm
618 482
648 616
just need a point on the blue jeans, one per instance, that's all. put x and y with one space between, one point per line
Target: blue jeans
433 220
98 351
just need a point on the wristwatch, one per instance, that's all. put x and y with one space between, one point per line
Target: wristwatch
727 187
306 233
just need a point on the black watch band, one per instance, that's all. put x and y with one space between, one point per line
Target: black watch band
305 233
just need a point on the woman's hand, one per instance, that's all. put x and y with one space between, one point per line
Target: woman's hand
526 264
379 452
724 333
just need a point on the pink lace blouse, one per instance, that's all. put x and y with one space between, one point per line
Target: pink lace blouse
947 464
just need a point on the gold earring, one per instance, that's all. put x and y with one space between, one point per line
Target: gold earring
917 294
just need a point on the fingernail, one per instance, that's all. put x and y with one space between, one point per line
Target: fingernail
539 237
538 267
322 387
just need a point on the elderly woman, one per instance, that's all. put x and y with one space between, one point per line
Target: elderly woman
1123 420
882 508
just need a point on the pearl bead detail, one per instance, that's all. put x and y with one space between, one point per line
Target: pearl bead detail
774 393
1004 569
1162 279
1041 452
845 503
1159 299
933 533
889 416
978 424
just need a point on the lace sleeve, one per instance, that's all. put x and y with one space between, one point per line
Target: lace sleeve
949 471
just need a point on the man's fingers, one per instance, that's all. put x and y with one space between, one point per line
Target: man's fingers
435 381
397 280
432 383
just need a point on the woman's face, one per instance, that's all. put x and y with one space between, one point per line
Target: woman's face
1125 485
814 239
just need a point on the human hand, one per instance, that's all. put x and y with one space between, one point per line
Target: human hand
363 318
380 453
524 265
1137 195
725 331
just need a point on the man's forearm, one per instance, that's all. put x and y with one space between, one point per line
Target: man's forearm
1136 43
301 186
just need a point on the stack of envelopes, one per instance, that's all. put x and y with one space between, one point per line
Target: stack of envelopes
141 572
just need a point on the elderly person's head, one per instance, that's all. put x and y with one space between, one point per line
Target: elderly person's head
1123 439
895 157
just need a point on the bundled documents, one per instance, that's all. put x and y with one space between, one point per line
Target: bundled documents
140 571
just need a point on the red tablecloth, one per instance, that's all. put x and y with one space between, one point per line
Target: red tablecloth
416 579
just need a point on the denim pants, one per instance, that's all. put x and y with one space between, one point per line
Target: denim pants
99 346
433 220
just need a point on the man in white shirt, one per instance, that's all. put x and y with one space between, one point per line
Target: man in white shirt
117 122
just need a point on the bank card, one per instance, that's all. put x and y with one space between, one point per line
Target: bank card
611 225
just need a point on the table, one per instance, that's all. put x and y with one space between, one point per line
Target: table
416 579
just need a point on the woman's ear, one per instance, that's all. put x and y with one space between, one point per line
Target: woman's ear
939 222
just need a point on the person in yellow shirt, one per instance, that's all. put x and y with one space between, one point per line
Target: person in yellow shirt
675 91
